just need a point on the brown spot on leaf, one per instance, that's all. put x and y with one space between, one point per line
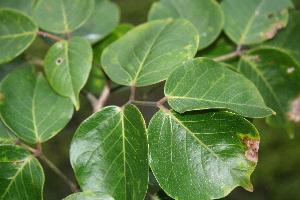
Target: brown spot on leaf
252 152
294 114
1 96
15 162
58 61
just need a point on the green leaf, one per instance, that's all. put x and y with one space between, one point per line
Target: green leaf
202 83
109 153
24 6
17 32
6 136
104 19
21 175
62 16
206 15
201 154
90 195
250 22
67 67
276 75
31 109
287 39
149 52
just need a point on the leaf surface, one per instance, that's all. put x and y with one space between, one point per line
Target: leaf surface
89 196
17 32
6 136
61 16
21 175
31 109
206 15
149 52
200 154
109 153
202 83
67 67
250 22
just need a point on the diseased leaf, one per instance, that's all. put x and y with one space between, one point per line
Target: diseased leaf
202 83
149 52
250 22
31 109
67 67
200 154
62 16
21 175
90 195
206 16
109 153
17 32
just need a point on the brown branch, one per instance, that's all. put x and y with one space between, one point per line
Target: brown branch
48 35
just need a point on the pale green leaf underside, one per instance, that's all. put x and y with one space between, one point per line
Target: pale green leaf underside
206 16
200 154
17 32
250 22
31 109
202 83
276 74
90 195
61 16
115 161
67 67
21 175
149 52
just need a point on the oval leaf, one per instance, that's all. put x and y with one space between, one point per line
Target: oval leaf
21 175
202 83
89 196
33 111
250 22
115 161
62 16
149 52
276 75
67 67
206 15
201 154
17 32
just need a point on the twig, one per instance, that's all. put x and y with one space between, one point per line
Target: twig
227 56
99 104
49 35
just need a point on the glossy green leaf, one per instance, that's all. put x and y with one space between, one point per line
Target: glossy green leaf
200 154
24 6
250 22
109 153
276 75
21 175
149 52
90 195
17 32
202 83
104 19
288 39
6 136
67 67
61 16
206 15
31 109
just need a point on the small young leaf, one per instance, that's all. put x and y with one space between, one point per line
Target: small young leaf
67 67
31 109
21 175
276 74
202 83
61 16
17 32
206 15
250 22
149 52
201 154
90 195
109 153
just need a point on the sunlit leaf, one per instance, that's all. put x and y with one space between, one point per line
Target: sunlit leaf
109 153
250 22
201 154
89 196
206 15
21 175
17 32
202 83
61 16
31 109
149 52
67 67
